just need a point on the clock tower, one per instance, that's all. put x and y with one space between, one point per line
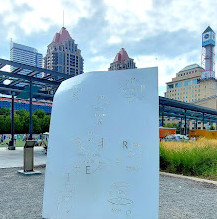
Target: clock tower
208 54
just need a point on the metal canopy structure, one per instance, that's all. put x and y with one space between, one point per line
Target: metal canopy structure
22 79
47 85
185 111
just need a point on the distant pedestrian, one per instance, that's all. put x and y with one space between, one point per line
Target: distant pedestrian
2 139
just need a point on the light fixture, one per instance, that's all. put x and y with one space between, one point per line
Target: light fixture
7 82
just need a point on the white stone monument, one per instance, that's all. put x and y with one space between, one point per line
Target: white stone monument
103 151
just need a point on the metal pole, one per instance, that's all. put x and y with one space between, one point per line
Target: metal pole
185 123
30 110
196 125
181 126
203 120
12 119
162 119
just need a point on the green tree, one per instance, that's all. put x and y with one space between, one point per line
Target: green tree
172 125
5 112
8 124
45 124
18 125
2 124
25 123
40 113
212 127
21 113
36 125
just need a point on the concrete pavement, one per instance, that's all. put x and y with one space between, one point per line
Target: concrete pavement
14 158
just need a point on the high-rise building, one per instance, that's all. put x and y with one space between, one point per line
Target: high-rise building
63 54
185 86
25 55
122 61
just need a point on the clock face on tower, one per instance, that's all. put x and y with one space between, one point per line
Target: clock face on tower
206 36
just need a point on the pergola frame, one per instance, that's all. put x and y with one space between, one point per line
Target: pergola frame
47 85
185 111
167 107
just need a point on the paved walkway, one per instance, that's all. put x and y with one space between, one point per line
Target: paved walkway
14 158
21 197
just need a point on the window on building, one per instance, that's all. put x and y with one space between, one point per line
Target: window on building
179 84
186 83
170 86
194 81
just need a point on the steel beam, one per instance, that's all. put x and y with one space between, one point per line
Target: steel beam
30 111
185 122
28 78
33 68
12 119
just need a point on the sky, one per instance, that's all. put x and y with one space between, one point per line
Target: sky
163 33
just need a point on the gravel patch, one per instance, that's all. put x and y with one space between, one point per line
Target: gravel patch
21 197
187 199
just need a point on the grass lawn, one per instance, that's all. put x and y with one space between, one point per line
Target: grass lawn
197 158
19 143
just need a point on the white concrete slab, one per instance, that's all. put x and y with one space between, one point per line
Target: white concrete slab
103 152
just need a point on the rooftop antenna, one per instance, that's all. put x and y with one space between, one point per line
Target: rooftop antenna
63 18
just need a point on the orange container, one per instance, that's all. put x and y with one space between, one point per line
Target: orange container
211 134
163 132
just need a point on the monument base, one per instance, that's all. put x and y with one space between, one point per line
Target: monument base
29 173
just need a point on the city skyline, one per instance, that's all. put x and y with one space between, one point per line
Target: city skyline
122 61
63 54
25 55
151 35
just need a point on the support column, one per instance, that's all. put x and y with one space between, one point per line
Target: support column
203 122
196 125
12 120
181 126
30 111
185 123
162 118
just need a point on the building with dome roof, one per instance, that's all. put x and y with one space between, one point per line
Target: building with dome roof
63 55
122 61
185 86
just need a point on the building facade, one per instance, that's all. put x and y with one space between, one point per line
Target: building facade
63 55
24 104
122 61
186 85
25 55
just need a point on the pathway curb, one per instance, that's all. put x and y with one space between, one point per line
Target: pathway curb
189 178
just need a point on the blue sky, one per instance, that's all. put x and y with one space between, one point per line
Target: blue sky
163 33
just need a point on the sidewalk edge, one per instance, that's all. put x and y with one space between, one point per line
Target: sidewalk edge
189 178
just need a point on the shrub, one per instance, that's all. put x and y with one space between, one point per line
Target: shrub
198 158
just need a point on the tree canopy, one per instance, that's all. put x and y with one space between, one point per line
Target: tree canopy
41 121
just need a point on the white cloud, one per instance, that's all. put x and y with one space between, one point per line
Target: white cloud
142 19
167 68
114 40
98 59
42 14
